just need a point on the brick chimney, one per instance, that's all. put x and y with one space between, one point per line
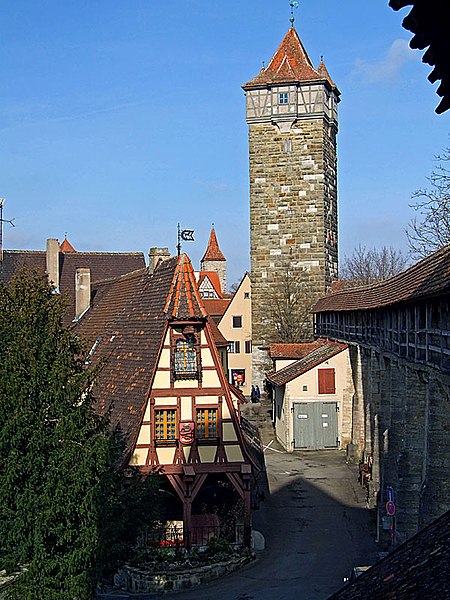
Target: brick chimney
155 255
52 262
82 291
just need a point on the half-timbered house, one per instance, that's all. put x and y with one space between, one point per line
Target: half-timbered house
167 390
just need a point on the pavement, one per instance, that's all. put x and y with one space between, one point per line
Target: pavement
316 526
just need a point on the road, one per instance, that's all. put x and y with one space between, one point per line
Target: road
316 528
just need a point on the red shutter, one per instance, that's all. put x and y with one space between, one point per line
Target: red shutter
326 381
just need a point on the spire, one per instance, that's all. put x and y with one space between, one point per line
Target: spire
324 72
213 251
66 247
290 63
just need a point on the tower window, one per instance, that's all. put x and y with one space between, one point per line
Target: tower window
283 98
288 145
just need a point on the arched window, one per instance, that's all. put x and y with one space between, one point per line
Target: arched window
185 358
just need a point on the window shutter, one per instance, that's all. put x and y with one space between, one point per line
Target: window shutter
326 379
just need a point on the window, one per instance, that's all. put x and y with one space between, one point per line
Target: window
165 424
283 98
288 145
246 295
206 423
235 347
185 358
326 380
237 322
248 346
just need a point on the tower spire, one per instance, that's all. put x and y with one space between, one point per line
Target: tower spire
293 4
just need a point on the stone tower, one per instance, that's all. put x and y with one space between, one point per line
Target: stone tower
214 260
291 110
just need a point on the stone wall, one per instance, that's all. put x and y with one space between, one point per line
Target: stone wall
405 425
293 215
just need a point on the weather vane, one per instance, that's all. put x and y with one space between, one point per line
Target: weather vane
187 235
293 4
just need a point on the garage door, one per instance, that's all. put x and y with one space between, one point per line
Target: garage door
315 425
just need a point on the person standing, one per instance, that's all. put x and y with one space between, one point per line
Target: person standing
253 395
258 394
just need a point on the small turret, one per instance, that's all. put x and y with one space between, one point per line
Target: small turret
214 260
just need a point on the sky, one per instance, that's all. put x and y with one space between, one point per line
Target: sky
120 119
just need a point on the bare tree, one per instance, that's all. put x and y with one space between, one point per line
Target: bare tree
289 307
431 229
367 265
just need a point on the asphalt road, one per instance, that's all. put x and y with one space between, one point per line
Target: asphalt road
316 528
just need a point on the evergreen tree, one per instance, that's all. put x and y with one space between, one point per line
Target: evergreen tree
65 513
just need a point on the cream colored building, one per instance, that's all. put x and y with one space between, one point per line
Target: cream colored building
236 326
312 393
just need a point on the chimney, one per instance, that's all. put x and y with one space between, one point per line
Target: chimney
82 291
52 262
155 255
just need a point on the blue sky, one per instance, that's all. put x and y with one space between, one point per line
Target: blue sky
121 118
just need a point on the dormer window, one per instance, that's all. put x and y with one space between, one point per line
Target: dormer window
185 365
283 98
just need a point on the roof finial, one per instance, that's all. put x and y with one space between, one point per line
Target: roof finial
293 4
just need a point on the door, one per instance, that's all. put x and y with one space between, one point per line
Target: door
315 425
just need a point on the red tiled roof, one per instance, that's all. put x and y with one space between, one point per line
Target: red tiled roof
183 300
290 63
314 358
292 351
428 277
128 319
324 72
418 568
66 246
213 277
216 306
213 251
103 265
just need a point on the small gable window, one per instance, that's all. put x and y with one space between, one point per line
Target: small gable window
185 358
165 424
206 423
283 98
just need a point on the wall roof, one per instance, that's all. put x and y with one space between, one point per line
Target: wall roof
427 278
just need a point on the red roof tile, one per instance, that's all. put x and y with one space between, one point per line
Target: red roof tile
292 351
290 63
216 306
183 300
213 251
428 277
66 246
103 265
320 354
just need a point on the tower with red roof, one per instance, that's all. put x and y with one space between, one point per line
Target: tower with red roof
214 260
291 110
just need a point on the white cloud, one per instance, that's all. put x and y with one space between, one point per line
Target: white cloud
388 67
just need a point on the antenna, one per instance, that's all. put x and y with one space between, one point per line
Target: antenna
293 4
2 220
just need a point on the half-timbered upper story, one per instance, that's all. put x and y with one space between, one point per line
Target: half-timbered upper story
162 377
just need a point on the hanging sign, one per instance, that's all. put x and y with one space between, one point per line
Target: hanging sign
186 431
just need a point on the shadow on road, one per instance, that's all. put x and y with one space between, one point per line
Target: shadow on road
316 529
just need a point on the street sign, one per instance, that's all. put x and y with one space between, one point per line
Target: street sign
390 508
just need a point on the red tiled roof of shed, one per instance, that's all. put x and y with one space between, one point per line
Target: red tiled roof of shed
320 354
290 63
292 351
426 278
